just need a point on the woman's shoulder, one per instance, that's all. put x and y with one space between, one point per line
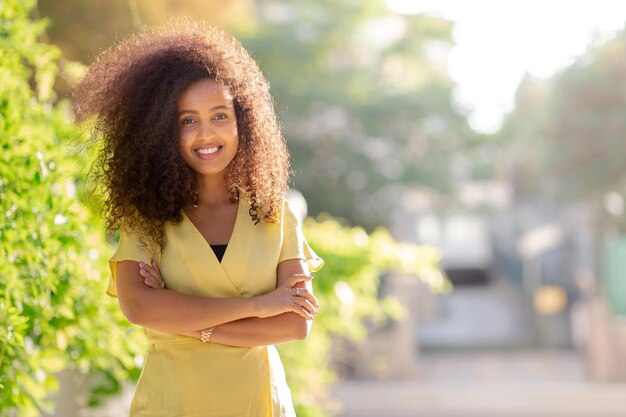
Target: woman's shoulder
294 205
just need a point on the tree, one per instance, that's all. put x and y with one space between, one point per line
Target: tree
83 29
576 121
364 98
586 129
520 143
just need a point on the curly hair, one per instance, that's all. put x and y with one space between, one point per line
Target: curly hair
133 89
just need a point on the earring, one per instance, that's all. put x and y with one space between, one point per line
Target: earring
194 199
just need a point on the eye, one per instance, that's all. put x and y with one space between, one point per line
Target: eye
187 121
220 116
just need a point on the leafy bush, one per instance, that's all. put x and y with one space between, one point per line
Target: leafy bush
53 249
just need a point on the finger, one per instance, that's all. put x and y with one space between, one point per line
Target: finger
310 297
147 276
295 308
305 304
304 293
297 278
150 282
156 284
302 311
152 285
152 272
152 269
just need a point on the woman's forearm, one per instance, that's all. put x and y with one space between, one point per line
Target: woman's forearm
251 332
172 312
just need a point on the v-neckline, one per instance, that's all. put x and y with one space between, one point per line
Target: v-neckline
230 242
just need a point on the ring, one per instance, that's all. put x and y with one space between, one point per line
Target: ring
298 292
162 284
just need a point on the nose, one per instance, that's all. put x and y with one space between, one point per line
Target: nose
206 130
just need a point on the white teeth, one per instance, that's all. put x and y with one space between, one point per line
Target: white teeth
207 151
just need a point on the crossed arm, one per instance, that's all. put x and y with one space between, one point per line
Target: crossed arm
276 317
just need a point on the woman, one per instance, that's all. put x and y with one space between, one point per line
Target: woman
211 260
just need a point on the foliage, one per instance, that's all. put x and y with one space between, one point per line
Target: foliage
587 124
522 135
53 248
365 101
348 291
82 29
576 118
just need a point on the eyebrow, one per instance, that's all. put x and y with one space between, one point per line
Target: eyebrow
219 107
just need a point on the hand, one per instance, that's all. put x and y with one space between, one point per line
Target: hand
151 275
288 298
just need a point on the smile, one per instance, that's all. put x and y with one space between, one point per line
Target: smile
208 153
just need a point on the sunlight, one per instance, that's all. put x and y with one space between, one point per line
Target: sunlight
498 42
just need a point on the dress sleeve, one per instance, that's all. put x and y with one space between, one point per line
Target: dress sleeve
128 249
295 245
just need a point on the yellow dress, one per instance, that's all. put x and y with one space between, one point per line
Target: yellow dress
182 376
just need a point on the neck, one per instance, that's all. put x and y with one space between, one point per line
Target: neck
212 191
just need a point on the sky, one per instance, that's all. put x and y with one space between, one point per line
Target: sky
497 42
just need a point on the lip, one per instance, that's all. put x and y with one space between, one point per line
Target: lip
207 157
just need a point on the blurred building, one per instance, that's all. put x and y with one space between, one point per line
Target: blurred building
525 276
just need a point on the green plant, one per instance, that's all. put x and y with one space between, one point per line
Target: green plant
53 314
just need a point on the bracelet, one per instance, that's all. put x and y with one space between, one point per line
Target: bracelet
205 334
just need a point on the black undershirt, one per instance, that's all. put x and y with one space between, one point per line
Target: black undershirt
219 251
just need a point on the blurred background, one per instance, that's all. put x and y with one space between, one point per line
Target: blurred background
463 167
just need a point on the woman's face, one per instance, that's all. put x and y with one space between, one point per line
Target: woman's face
207 127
